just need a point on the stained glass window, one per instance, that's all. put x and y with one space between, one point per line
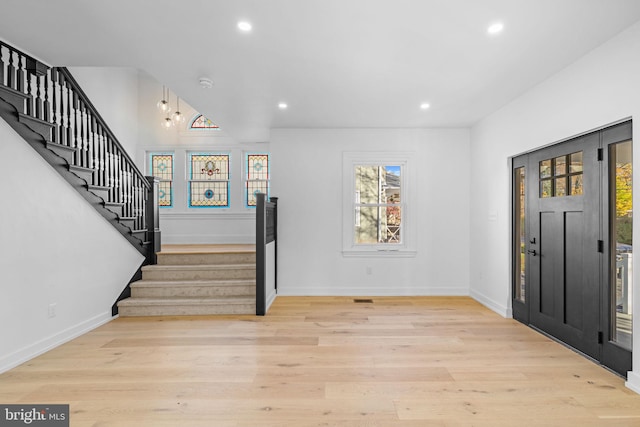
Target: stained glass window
257 177
161 166
201 122
209 180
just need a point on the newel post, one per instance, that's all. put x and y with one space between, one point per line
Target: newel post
153 220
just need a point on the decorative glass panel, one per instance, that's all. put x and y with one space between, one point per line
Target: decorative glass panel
560 165
201 122
255 187
164 193
257 177
257 166
209 180
208 194
162 168
210 167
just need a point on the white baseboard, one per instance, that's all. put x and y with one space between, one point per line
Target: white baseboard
633 381
36 349
390 291
491 304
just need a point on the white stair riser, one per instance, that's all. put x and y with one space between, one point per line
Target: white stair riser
185 290
206 259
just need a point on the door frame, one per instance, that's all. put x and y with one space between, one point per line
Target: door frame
610 354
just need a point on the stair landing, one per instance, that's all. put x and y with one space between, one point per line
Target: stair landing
195 279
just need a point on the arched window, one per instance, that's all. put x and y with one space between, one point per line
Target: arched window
200 122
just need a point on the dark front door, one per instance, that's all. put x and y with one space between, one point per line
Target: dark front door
563 240
565 271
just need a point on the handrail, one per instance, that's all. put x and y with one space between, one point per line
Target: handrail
76 87
51 103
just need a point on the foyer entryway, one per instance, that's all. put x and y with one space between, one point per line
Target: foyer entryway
195 280
572 246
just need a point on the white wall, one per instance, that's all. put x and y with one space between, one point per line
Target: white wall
114 93
601 88
181 224
307 178
54 249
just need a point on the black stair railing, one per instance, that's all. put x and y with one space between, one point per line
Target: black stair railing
266 252
50 102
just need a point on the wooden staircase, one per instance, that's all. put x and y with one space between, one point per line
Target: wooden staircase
195 280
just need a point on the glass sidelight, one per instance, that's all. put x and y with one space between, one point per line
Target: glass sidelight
520 235
621 214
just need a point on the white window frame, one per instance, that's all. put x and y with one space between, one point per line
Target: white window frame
407 246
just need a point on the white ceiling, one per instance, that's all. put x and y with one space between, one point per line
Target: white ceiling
336 63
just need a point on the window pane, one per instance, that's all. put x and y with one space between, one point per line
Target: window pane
575 160
561 187
545 168
520 257
546 188
164 193
575 185
162 166
209 167
378 184
257 166
378 224
208 194
560 166
621 208
255 187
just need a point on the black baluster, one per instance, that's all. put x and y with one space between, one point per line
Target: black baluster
69 135
90 138
63 111
20 74
46 116
39 103
81 133
54 109
11 71
29 101
1 66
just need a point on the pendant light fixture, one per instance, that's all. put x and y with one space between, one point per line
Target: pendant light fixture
177 117
167 123
163 104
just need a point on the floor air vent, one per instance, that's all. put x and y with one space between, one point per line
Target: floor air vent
363 300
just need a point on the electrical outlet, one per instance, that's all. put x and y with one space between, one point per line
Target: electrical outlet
52 310
368 270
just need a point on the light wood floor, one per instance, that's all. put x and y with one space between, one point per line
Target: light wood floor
319 361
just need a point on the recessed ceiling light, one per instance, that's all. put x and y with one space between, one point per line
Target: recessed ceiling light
282 105
495 28
244 26
425 105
